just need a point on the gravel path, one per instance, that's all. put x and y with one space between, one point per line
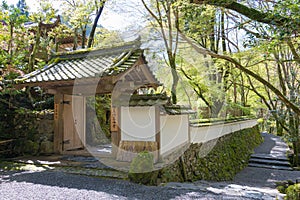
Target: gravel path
261 177
250 183
57 185
272 146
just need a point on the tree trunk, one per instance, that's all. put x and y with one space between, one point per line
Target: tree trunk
92 34
294 131
10 44
75 45
83 37
34 50
174 85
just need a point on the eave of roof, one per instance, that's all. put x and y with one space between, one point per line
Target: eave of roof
84 64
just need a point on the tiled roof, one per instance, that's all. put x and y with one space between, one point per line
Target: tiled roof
141 100
178 110
161 100
86 64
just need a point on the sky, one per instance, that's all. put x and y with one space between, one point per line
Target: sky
121 16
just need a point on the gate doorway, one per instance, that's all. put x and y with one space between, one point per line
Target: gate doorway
74 125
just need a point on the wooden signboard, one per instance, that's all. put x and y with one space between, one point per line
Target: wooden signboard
114 124
56 111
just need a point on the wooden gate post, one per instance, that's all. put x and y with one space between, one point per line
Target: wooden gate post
115 129
58 123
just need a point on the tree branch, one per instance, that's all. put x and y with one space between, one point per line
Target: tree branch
98 14
238 65
251 13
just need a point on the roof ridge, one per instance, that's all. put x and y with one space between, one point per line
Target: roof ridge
130 46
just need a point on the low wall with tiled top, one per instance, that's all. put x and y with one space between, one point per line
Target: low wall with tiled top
203 134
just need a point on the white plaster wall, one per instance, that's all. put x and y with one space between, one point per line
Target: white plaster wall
174 132
206 133
138 123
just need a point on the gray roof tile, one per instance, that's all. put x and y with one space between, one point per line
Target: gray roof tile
85 64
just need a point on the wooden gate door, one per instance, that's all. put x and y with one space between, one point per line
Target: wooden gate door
74 122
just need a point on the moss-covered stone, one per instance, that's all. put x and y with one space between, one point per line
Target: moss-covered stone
142 169
31 131
46 147
229 156
30 147
217 160
143 162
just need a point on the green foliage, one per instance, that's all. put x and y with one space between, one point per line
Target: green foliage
12 39
289 9
79 15
282 186
44 13
293 192
105 37
101 106
198 22
236 109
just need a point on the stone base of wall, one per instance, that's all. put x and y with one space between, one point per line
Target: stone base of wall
218 160
33 133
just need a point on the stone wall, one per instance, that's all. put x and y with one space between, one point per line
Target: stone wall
32 132
218 160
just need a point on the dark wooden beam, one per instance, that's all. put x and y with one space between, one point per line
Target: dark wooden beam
157 129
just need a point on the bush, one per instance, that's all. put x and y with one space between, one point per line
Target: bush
282 186
293 192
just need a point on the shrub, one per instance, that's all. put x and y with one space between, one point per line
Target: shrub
293 192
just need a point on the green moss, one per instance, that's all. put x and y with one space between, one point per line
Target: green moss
142 169
109 46
143 162
229 156
30 147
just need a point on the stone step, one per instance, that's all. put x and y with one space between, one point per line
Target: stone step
89 166
270 166
72 169
94 172
269 157
269 162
